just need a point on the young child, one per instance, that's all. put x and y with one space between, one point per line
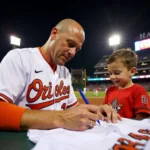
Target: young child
128 99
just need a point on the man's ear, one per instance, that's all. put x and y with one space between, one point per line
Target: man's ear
54 33
133 71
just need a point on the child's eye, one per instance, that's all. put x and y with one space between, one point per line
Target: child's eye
117 73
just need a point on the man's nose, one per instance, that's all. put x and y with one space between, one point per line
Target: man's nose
72 51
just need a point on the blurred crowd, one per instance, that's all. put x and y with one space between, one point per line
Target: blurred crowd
105 84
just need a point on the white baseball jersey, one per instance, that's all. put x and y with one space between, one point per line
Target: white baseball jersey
125 135
26 79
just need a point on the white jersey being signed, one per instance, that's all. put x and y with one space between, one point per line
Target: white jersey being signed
124 135
27 80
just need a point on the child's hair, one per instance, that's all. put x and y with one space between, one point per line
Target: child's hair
126 56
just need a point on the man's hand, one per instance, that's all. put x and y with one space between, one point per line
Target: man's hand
107 113
80 118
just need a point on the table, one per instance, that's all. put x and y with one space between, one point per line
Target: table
15 141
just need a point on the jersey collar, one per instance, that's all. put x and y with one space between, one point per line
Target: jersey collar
53 66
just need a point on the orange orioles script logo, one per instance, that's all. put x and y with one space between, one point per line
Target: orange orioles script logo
125 144
144 131
44 92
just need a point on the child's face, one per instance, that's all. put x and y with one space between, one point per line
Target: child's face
119 74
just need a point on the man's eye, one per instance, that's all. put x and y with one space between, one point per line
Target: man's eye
71 45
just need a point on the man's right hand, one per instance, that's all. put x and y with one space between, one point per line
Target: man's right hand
80 118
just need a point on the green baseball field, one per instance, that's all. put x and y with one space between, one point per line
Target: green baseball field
93 99
90 94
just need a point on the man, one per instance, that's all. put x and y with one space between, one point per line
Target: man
84 90
96 91
35 86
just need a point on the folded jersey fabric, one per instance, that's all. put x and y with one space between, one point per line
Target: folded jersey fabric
125 134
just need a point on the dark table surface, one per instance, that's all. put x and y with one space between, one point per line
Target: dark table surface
15 141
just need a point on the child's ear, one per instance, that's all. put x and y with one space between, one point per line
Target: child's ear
133 71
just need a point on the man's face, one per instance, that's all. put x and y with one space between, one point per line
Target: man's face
120 75
66 45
